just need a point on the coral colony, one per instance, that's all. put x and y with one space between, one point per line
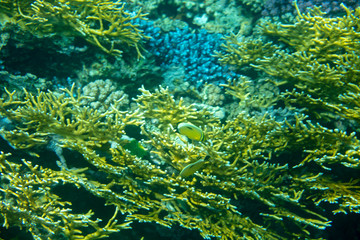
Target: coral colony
179 119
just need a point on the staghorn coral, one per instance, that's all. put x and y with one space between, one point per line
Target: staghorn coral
26 201
240 51
105 24
153 105
326 58
318 64
281 7
247 188
256 97
54 112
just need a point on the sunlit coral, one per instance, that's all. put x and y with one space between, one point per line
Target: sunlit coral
319 67
105 24
244 189
27 201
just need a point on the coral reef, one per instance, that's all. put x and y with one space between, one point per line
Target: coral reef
332 8
240 51
188 52
244 188
26 200
263 144
212 95
216 16
58 56
319 69
103 95
57 61
17 82
260 94
325 56
105 24
129 75
256 5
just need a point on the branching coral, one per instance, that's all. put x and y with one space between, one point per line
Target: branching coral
244 190
26 200
319 66
259 179
279 8
63 116
326 60
105 24
241 51
154 105
252 95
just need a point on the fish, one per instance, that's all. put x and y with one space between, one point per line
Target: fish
191 131
192 168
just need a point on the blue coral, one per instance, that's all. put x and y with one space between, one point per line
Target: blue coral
191 51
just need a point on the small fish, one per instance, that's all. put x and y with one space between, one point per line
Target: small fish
191 131
193 167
